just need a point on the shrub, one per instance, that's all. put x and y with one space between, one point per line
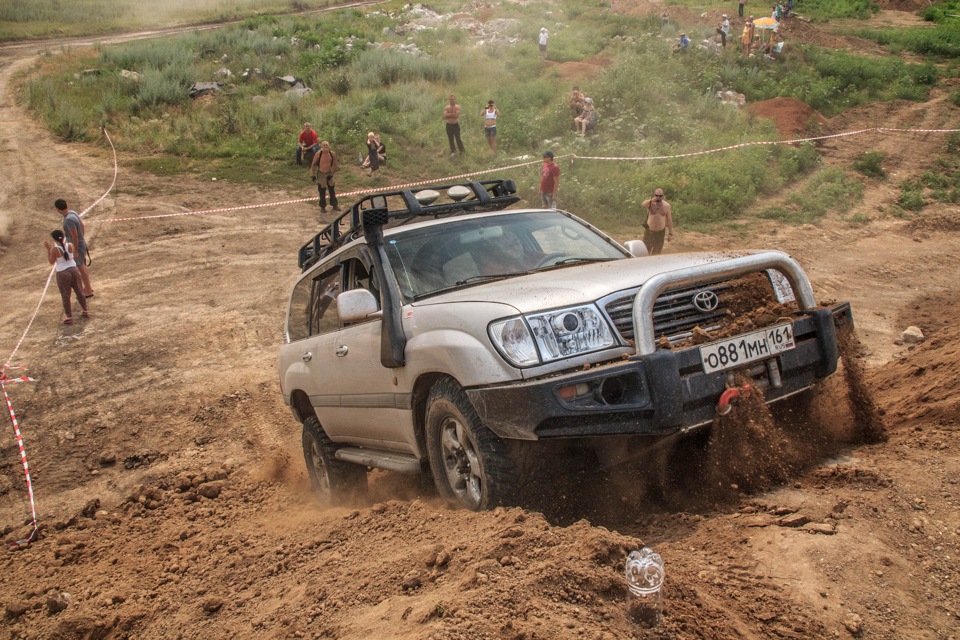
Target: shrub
911 196
870 164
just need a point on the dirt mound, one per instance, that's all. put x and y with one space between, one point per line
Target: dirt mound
922 383
585 69
935 222
791 116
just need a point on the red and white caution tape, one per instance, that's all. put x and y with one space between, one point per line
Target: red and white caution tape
471 174
4 381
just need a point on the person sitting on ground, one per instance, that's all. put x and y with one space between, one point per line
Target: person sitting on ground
375 147
308 143
587 118
576 100
683 44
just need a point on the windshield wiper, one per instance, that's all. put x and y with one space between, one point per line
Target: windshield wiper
492 276
566 261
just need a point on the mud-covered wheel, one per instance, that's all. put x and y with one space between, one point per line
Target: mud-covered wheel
471 465
334 481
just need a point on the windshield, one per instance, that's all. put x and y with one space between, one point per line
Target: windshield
472 250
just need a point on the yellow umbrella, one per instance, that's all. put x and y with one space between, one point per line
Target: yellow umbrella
765 23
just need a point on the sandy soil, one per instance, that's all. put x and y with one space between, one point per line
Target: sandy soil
173 500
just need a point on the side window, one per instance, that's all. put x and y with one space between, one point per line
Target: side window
323 308
361 276
298 320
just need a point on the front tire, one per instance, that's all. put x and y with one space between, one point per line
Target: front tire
471 466
334 481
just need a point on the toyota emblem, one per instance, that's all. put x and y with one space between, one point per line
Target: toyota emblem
706 301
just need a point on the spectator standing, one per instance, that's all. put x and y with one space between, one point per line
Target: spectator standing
543 43
549 181
324 165
308 143
587 118
664 19
747 38
73 229
451 115
740 7
374 155
724 30
61 255
659 222
490 114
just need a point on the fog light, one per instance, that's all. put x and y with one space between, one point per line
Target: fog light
572 391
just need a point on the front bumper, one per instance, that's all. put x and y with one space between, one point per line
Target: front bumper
659 393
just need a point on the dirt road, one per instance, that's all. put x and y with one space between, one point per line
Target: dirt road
170 485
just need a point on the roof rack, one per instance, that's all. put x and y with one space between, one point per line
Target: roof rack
404 205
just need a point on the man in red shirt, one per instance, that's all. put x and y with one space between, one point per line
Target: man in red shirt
549 181
308 142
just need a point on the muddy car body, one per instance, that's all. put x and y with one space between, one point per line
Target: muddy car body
435 334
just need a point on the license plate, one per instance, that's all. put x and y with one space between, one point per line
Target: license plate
747 348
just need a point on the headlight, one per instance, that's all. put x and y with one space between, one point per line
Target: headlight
544 337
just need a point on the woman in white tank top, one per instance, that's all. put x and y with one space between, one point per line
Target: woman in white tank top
490 114
60 255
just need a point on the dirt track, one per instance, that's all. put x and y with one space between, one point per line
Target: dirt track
165 408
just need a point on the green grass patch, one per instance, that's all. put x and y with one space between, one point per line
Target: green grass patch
65 18
831 190
943 42
870 164
830 9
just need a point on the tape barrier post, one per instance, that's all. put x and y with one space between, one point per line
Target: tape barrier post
4 381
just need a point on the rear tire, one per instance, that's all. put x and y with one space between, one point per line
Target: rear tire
335 481
471 466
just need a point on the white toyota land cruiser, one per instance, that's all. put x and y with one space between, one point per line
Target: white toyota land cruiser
432 330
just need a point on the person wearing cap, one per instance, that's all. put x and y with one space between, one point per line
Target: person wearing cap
543 43
724 30
747 38
307 142
549 181
683 44
587 118
659 222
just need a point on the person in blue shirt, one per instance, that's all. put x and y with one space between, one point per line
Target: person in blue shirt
683 44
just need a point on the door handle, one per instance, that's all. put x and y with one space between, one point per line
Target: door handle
342 350
307 356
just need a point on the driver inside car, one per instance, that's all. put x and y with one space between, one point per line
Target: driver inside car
506 255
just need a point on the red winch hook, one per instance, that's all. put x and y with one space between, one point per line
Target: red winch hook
724 405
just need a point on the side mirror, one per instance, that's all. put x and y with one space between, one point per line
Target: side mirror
636 248
356 305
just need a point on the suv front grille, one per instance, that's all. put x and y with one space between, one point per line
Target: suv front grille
675 316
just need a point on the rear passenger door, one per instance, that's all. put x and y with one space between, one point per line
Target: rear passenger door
314 325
